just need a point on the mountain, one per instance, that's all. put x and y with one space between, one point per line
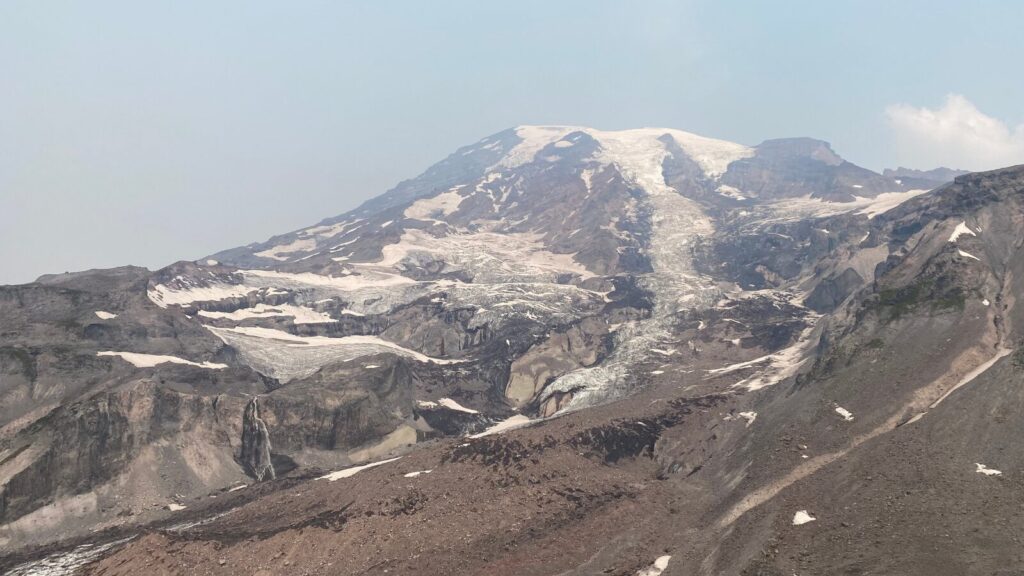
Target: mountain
559 350
934 177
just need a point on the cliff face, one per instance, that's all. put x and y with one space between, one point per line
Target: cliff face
255 453
89 440
124 454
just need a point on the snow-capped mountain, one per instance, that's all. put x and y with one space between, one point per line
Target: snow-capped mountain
544 278
541 226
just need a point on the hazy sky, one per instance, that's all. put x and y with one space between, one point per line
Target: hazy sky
149 132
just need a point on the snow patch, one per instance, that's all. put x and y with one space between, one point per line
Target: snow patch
517 421
280 252
884 202
417 473
150 360
532 140
959 231
730 192
748 416
802 517
915 418
453 405
66 563
105 315
186 292
299 314
490 257
846 414
330 230
970 376
444 204
286 356
773 368
371 279
657 568
966 255
371 291
349 472
982 469
792 209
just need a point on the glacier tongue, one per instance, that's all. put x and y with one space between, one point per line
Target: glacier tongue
677 222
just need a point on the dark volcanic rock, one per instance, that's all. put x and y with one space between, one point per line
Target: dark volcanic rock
924 178
255 454
832 291
795 167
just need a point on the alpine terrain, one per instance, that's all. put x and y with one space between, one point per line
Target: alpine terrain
558 351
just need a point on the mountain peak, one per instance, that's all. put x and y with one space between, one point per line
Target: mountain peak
627 147
938 175
799 147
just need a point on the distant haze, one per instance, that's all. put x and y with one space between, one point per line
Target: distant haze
144 133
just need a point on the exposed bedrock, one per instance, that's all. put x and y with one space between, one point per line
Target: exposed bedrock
579 346
255 453
116 455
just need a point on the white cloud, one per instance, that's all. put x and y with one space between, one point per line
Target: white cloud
957 135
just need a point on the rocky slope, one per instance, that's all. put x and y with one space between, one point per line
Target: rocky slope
935 176
679 339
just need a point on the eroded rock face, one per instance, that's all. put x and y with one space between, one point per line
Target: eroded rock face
834 290
255 454
578 347
118 456
934 177
794 167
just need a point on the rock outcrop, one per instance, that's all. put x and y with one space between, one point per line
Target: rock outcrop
255 453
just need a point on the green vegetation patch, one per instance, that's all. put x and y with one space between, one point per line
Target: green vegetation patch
899 301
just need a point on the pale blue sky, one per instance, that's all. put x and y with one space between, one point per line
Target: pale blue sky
148 132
